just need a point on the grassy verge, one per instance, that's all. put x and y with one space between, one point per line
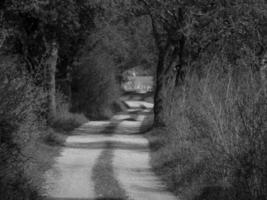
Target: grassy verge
27 145
48 147
179 164
65 121
22 176
214 146
42 155
63 124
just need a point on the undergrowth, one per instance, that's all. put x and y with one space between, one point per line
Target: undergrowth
66 121
21 127
27 143
215 144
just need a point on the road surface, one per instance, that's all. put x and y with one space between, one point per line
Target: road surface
107 160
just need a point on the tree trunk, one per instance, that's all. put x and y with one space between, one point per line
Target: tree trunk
165 82
168 70
51 66
160 94
69 79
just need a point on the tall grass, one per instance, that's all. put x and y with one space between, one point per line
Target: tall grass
66 121
216 142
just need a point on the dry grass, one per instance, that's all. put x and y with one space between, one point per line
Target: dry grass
65 121
215 146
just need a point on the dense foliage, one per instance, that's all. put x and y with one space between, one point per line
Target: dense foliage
210 70
97 73
189 34
210 96
32 51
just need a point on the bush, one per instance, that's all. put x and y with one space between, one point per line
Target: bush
20 125
216 138
66 121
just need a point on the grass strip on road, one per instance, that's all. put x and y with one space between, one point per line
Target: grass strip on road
107 186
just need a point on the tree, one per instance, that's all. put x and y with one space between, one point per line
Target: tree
94 86
189 33
117 43
43 33
125 37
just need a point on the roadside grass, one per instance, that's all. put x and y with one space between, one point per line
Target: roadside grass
23 154
51 142
214 146
65 121
180 165
42 158
23 174
54 138
29 150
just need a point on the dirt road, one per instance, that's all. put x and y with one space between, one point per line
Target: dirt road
107 160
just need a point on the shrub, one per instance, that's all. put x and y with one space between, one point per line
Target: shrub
217 134
66 121
20 122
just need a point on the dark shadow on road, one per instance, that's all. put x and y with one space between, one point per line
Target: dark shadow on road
109 199
85 199
140 188
109 145
112 145
91 130
138 96
110 129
